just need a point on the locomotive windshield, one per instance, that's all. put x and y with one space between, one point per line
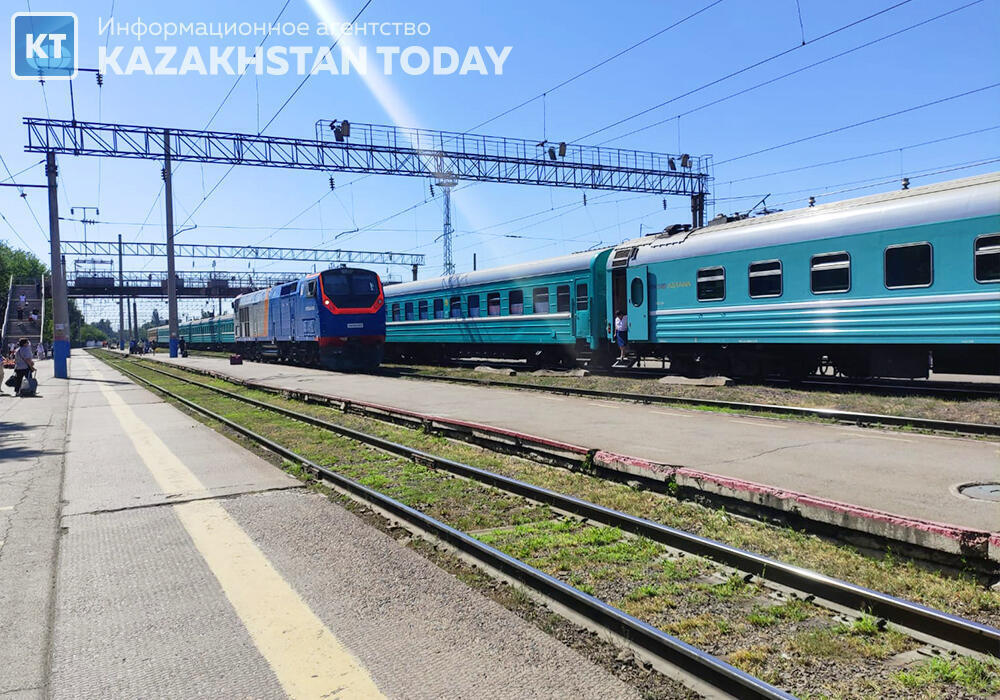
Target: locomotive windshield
350 289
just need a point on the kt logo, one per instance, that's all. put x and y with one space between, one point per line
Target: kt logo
43 45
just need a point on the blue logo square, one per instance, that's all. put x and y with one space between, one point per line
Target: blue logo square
43 45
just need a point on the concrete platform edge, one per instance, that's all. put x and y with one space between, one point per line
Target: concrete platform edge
952 540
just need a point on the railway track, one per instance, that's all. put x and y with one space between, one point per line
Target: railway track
922 623
851 417
921 387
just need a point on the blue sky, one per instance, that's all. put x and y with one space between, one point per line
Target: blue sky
551 42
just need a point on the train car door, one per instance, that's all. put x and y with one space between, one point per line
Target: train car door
581 308
638 303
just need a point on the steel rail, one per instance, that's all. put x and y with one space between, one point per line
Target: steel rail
928 621
700 664
838 415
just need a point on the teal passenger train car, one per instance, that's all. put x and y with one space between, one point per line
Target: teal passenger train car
886 285
212 333
539 310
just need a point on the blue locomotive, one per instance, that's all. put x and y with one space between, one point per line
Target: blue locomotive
334 319
886 285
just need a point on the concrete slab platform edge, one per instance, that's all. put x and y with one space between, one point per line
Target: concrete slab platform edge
943 537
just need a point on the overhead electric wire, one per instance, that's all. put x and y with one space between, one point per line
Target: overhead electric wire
860 123
14 231
596 65
24 196
790 73
897 149
274 116
240 76
743 70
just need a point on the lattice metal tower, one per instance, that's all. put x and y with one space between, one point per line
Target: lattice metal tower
449 263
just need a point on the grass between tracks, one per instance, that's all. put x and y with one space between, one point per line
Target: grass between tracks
790 642
969 410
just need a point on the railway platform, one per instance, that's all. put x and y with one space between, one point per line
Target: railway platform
142 554
907 474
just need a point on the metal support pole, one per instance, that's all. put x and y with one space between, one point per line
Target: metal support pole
449 263
414 273
135 318
128 320
60 305
121 298
171 272
473 262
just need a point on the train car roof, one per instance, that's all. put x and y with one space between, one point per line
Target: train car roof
549 266
943 201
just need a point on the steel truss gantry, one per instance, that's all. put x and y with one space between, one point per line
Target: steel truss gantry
390 150
190 250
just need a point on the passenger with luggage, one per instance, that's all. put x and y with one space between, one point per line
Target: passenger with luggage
24 365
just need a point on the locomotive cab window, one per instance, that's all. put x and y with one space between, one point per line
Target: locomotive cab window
439 308
987 251
409 311
422 310
830 273
562 298
582 297
350 288
395 312
474 306
765 279
711 284
908 265
516 301
493 304
455 307
540 300
310 289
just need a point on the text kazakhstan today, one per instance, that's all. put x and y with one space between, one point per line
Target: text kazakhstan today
279 60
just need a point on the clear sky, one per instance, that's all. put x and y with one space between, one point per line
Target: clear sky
551 42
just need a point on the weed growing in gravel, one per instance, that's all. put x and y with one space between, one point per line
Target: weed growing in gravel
971 674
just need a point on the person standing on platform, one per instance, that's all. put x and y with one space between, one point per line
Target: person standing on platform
24 363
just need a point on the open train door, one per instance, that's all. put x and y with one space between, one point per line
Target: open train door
638 304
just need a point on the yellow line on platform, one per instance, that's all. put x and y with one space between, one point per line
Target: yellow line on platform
307 659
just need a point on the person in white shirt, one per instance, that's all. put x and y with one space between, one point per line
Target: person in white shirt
24 363
621 334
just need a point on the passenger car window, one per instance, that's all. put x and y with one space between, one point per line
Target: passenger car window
540 300
409 310
830 272
455 307
711 283
493 304
395 312
474 306
582 297
908 265
765 279
988 258
422 310
516 301
439 308
562 298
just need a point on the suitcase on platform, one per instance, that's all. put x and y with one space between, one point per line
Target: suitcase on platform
29 386
235 359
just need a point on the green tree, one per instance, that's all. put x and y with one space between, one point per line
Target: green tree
89 332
